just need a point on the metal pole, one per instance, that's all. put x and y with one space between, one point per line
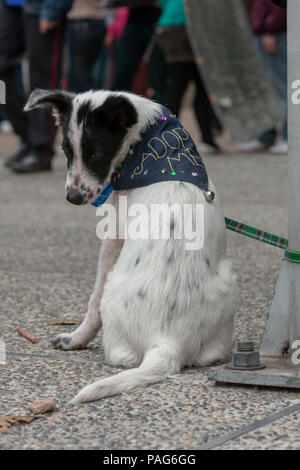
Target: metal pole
283 325
294 124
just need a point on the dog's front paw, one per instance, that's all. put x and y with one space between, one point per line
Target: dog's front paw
63 341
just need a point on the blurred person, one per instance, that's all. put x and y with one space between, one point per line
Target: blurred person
157 74
182 70
143 16
86 31
268 23
280 3
116 20
5 125
37 30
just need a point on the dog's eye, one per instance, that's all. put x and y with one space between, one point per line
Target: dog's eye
95 156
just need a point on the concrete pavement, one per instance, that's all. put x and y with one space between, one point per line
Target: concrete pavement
48 262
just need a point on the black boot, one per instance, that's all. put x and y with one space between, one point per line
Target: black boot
18 156
31 163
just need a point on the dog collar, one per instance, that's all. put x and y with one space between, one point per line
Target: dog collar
165 152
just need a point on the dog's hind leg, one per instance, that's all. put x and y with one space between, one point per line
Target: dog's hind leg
90 326
218 348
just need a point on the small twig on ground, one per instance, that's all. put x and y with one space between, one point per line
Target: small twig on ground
26 335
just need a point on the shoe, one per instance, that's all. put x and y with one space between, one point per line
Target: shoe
208 149
30 164
280 148
6 127
251 145
18 156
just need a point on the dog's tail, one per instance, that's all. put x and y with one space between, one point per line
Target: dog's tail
158 363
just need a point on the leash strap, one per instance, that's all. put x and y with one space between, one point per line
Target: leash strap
293 256
265 237
234 225
256 234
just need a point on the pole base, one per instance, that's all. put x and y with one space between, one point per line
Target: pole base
278 372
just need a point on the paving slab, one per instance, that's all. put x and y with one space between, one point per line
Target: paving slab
48 263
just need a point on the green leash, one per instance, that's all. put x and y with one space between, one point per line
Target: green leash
265 237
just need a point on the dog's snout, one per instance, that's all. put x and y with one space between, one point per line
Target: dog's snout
74 196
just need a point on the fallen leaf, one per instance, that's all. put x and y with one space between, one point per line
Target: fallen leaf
7 421
42 406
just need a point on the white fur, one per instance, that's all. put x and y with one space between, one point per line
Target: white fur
173 308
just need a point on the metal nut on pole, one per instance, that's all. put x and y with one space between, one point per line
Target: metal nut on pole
245 357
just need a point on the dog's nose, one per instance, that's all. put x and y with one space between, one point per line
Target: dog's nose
75 197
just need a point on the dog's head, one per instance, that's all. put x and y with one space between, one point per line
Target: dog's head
95 126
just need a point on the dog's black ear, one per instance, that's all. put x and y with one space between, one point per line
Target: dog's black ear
117 113
58 101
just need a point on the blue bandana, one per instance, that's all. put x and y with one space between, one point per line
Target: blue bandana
166 152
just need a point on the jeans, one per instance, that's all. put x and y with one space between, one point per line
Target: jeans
19 33
85 41
276 65
129 52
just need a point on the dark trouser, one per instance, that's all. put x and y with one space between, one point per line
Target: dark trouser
158 73
180 75
129 52
11 48
85 41
19 32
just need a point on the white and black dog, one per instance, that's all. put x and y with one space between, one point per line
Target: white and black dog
162 307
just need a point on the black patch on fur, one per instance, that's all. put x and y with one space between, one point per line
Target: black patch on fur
104 129
151 245
67 147
61 102
58 99
172 225
141 292
83 111
171 258
171 312
137 261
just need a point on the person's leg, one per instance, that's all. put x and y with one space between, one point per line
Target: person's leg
285 131
44 54
158 73
203 109
279 72
268 138
129 52
11 48
276 65
85 40
102 69
179 76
